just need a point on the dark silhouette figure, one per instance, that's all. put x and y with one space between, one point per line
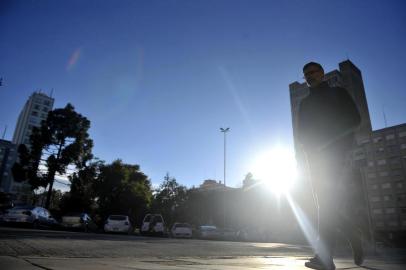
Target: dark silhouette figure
328 119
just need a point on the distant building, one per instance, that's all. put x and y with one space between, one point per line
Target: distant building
8 155
382 159
210 185
34 111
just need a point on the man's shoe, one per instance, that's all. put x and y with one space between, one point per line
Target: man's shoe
357 250
316 263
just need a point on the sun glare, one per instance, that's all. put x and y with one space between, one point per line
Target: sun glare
276 169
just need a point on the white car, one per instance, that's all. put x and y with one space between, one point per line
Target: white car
31 215
181 230
153 224
208 232
118 223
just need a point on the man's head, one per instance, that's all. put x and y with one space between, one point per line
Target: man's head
313 73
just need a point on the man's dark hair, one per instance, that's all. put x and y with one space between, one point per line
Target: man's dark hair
312 64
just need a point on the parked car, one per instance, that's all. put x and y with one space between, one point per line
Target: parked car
34 216
153 224
208 232
181 230
78 221
118 223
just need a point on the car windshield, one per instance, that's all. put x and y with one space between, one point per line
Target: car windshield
147 218
73 215
157 218
117 217
23 208
182 225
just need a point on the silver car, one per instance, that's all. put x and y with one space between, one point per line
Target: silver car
28 215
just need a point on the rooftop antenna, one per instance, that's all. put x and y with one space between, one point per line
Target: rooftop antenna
4 132
52 92
384 116
346 54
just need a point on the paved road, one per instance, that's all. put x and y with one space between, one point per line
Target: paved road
41 249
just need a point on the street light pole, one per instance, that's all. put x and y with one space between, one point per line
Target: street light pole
224 130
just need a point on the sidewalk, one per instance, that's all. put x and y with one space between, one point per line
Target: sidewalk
212 263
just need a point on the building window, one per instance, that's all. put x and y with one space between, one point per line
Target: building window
402 210
390 137
36 107
375 186
399 185
370 163
44 109
381 162
379 224
377 139
396 172
34 113
403 146
402 198
387 197
371 175
43 115
390 210
365 141
386 185
402 134
393 223
380 150
377 211
375 199
47 102
384 173
395 161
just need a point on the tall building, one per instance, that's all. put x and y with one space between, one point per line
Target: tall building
33 113
348 77
35 110
382 160
8 155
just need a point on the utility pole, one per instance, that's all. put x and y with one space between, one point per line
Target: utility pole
224 130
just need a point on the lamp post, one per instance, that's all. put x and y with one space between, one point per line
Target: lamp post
224 130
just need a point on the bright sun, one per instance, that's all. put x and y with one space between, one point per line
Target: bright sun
276 169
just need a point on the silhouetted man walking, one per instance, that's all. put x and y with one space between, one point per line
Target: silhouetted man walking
328 119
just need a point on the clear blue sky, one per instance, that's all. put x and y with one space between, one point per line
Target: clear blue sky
158 79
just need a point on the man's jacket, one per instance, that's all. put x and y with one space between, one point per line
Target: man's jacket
327 116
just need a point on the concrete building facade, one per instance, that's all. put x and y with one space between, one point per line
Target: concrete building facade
34 111
382 160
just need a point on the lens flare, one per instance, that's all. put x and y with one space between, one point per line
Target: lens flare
276 169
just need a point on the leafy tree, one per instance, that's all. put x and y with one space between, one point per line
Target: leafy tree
122 189
62 140
169 200
82 195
